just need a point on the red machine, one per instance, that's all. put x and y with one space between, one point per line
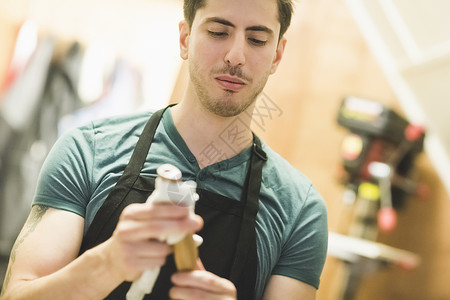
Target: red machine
378 156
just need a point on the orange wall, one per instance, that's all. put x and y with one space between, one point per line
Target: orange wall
326 59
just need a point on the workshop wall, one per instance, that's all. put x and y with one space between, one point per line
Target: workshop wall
326 59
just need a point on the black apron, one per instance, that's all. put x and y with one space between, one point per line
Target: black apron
229 234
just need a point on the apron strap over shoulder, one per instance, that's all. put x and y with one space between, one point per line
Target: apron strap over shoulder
246 247
106 218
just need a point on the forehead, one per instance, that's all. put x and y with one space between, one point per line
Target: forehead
241 12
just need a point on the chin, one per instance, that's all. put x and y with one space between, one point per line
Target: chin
226 109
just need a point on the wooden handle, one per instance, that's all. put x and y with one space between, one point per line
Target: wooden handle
186 254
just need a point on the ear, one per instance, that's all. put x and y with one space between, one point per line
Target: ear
278 54
183 28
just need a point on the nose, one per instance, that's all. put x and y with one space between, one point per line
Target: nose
235 56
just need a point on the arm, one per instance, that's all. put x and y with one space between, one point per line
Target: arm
44 263
282 287
40 263
296 274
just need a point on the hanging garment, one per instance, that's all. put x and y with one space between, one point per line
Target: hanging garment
24 48
17 114
28 128
122 96
229 234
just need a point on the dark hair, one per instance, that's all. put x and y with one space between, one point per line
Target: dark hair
285 10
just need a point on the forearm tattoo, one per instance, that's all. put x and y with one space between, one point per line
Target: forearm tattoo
36 214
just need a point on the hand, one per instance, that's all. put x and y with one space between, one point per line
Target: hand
134 246
200 284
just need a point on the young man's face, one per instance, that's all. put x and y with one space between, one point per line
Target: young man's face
232 49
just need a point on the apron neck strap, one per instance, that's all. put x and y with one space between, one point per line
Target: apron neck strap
143 145
246 245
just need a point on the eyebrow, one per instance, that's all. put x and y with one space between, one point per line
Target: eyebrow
250 28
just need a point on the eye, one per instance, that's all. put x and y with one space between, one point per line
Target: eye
257 42
217 34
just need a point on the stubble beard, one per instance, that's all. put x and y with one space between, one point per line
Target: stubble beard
228 104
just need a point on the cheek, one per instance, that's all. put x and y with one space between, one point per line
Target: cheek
205 57
262 65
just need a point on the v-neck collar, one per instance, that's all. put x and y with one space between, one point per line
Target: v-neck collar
177 139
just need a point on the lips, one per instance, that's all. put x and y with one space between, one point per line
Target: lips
230 82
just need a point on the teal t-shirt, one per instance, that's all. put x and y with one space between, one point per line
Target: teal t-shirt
292 233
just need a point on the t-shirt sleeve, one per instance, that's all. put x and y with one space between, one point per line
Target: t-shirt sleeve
65 178
304 252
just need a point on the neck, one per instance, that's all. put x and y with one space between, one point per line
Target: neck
211 138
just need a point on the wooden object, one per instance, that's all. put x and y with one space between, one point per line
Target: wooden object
186 254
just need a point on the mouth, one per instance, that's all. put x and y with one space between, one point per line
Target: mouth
230 83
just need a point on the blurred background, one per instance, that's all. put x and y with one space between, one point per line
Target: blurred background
64 62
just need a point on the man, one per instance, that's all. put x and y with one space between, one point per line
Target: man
264 231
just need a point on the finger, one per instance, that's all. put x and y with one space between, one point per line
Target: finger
140 211
150 248
199 265
193 294
138 257
142 264
203 280
133 230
